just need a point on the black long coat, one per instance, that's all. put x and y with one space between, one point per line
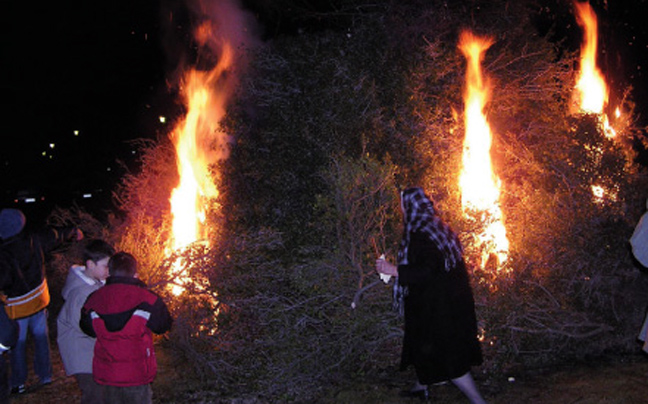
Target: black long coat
440 325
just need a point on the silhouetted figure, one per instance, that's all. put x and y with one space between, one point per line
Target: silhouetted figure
22 263
433 292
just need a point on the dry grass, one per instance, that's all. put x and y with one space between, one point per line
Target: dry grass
615 381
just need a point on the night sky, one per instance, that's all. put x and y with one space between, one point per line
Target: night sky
102 69
95 70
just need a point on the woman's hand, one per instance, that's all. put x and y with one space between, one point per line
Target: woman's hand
386 268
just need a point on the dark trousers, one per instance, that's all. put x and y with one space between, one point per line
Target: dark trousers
128 395
91 391
4 379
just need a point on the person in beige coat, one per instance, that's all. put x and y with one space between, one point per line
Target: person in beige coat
77 348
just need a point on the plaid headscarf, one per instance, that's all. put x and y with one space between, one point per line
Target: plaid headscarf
420 216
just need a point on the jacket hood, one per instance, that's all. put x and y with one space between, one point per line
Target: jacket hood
77 279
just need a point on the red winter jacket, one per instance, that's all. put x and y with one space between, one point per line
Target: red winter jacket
122 316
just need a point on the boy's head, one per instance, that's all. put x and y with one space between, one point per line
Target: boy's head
122 264
96 255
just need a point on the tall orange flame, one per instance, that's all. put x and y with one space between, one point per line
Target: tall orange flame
199 143
480 187
225 32
194 139
591 93
591 90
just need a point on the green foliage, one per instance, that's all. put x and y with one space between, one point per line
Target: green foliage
314 96
358 210
289 330
297 313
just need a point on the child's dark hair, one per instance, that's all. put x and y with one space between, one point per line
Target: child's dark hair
96 250
122 264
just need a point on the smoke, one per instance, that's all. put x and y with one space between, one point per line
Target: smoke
224 34
221 34
219 24
185 44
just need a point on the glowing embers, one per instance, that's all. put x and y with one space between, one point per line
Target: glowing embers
480 187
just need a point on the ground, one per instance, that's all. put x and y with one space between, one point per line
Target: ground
619 380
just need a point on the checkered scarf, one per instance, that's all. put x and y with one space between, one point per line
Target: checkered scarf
421 216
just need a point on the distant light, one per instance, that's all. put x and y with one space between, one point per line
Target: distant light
52 145
30 200
162 119
44 153
76 133
87 196
108 169
133 152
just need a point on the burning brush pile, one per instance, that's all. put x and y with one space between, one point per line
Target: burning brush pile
286 177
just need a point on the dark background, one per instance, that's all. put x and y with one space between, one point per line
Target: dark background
105 69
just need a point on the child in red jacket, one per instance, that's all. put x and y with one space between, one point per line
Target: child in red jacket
122 316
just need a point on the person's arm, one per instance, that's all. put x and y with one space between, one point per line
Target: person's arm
77 301
54 237
8 331
85 323
160 320
5 271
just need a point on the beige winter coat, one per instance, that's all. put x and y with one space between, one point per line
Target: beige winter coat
76 348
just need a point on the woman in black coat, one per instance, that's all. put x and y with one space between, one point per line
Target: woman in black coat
434 292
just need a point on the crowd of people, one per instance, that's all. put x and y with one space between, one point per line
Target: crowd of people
104 328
